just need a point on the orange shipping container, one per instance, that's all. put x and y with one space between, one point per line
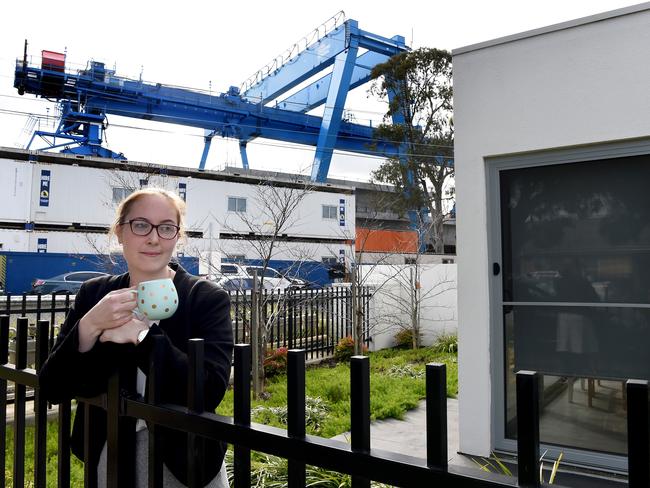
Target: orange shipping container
372 240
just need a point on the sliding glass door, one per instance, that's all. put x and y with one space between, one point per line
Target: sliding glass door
574 297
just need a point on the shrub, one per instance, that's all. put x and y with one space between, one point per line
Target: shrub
405 371
315 413
446 342
276 362
344 350
404 339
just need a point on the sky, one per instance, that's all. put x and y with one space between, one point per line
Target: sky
213 45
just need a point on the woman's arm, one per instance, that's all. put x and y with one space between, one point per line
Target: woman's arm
210 320
66 373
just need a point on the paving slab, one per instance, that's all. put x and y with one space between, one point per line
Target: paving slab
408 436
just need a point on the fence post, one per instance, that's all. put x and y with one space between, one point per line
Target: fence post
120 434
40 407
291 306
19 404
296 411
242 412
4 358
195 403
360 410
436 379
63 456
528 428
154 387
255 335
638 434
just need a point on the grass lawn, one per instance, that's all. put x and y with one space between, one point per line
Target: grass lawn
396 386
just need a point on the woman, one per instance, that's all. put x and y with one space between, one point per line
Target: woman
102 335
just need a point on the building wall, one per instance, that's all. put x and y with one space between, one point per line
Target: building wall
582 82
390 309
48 206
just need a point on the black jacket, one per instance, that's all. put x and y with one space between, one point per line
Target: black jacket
203 312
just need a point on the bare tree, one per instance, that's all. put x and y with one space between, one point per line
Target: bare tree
272 215
403 296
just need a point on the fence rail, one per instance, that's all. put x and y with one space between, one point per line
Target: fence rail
314 320
356 459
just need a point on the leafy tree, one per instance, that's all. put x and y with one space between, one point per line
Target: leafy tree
418 87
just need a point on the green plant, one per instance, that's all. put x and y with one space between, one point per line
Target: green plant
405 371
494 465
315 413
404 338
276 362
344 350
446 342
273 472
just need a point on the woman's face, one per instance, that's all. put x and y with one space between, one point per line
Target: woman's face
148 256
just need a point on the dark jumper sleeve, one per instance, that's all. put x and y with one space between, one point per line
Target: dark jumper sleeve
67 372
209 319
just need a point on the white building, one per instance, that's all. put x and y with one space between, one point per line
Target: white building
64 204
552 166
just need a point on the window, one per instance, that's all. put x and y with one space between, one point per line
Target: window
330 212
268 273
236 204
237 258
120 193
574 259
228 269
408 260
330 260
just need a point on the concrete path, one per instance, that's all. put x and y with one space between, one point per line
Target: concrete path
408 436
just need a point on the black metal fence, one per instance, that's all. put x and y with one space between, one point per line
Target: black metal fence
313 320
356 459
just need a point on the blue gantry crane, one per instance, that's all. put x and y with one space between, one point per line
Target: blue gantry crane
264 106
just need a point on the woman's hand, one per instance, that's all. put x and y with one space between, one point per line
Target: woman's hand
114 310
125 334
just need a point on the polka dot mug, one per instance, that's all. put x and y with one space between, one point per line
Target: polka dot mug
157 299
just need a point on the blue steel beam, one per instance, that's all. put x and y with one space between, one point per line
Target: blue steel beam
315 94
321 55
303 66
337 93
226 115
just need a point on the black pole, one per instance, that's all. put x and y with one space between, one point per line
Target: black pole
154 387
296 411
120 432
360 410
242 412
63 457
436 378
638 434
528 428
195 403
40 407
19 404
4 357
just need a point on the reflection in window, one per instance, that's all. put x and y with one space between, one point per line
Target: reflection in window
575 236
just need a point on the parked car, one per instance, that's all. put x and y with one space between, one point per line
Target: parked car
239 283
64 283
271 276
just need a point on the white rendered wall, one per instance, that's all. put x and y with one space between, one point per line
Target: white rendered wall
389 309
580 83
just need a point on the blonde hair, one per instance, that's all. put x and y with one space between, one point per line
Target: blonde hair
125 206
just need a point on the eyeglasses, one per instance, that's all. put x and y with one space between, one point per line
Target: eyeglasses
142 227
